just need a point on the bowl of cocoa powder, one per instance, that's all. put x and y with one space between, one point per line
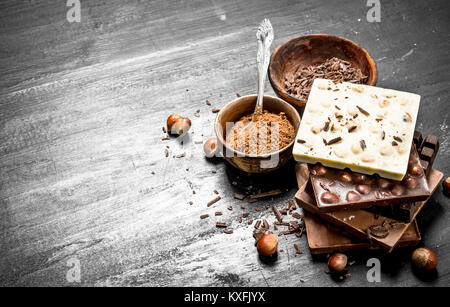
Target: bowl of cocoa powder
296 63
257 144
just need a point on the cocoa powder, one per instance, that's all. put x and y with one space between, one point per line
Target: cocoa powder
270 132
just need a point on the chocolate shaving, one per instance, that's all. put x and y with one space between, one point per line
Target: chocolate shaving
299 84
394 143
301 141
334 141
228 231
363 144
266 194
221 224
257 224
363 111
239 196
212 202
204 216
397 139
383 135
277 213
352 128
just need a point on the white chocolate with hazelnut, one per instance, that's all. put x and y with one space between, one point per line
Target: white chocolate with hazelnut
375 125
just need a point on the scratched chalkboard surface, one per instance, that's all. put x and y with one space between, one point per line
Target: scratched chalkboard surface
87 194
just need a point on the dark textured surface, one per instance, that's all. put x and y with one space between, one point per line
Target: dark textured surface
81 111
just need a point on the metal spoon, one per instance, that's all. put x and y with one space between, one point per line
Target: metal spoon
265 39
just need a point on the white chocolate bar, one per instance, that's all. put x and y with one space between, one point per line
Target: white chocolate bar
365 128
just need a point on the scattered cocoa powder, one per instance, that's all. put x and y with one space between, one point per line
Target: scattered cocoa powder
260 137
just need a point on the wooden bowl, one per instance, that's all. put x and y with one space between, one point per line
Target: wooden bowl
313 49
241 106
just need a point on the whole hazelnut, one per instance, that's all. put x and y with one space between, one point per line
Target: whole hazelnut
416 170
319 170
181 126
383 183
352 196
359 178
344 176
267 245
210 148
446 186
424 259
171 120
337 263
329 198
411 183
363 189
398 190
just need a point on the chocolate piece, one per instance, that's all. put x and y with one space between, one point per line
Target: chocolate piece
428 152
404 212
324 238
431 141
239 196
357 222
417 139
277 213
221 224
331 187
212 202
266 194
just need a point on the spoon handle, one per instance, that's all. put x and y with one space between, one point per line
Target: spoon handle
265 38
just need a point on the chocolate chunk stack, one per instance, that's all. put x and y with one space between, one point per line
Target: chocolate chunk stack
346 211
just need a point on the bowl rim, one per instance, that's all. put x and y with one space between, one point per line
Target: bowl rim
240 154
279 89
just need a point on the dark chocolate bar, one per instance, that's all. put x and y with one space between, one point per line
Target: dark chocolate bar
346 190
363 224
324 238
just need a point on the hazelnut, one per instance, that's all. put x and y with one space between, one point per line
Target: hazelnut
344 176
352 196
356 148
210 148
171 120
267 245
319 170
363 189
416 170
398 190
384 183
360 178
446 186
337 263
329 198
411 183
424 259
181 126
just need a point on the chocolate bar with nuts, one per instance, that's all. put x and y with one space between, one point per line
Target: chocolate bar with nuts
363 224
324 238
346 190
